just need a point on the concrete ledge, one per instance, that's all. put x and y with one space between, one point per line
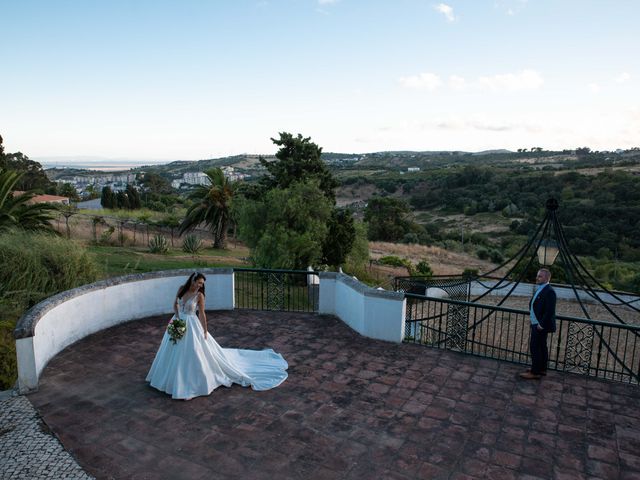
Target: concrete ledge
63 319
373 313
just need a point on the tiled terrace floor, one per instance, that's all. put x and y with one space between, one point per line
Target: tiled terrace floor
351 408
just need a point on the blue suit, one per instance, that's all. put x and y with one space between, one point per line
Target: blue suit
544 308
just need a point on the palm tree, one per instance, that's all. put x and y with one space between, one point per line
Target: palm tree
212 207
15 210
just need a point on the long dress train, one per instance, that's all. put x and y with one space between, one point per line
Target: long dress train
194 366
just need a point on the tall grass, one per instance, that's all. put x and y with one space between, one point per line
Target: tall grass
32 268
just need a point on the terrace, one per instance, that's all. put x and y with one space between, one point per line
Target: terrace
352 407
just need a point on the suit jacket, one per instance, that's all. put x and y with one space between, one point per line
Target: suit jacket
545 308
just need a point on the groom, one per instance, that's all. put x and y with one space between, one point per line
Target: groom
542 312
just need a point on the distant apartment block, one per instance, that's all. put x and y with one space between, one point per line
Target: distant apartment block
200 178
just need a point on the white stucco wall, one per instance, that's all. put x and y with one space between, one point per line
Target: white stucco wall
563 292
92 308
372 313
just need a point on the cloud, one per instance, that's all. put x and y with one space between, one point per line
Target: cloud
594 87
523 80
509 82
422 81
481 124
446 10
623 77
457 83
327 2
510 7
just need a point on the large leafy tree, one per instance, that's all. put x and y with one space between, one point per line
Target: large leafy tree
286 228
16 211
33 176
211 207
298 159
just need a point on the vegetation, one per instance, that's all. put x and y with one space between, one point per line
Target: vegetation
128 199
211 207
191 244
286 228
16 211
289 219
159 244
31 174
34 266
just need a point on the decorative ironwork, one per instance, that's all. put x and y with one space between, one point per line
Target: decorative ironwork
440 311
279 290
579 348
275 291
601 349
457 321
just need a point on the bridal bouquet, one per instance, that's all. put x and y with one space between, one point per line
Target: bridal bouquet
176 329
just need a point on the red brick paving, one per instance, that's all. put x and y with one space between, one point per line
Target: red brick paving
351 408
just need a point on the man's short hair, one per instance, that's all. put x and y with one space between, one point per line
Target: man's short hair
547 272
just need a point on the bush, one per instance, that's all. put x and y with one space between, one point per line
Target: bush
159 244
191 244
423 268
482 253
496 257
32 268
392 261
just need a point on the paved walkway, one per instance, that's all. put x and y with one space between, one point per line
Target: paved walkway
28 450
351 408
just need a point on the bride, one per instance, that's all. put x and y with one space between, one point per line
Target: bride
195 364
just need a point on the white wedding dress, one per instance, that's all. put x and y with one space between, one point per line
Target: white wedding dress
194 366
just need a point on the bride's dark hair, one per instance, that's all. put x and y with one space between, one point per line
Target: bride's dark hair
192 278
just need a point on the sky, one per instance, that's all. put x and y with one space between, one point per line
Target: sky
194 79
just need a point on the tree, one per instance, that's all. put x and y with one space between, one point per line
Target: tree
16 211
107 198
134 197
33 176
122 200
287 227
155 184
340 237
211 207
68 190
298 159
358 258
387 219
68 211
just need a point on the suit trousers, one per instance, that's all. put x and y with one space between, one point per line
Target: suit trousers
539 350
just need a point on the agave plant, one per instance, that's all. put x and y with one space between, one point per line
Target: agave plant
159 244
191 244
15 210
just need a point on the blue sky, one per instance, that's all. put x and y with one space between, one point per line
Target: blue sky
197 79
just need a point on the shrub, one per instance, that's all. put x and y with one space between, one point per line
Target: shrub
32 268
423 268
496 257
191 244
397 262
392 261
482 253
159 244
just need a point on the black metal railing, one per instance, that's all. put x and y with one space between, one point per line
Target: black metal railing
277 290
589 347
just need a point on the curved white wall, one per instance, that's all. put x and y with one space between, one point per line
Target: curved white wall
373 313
64 319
